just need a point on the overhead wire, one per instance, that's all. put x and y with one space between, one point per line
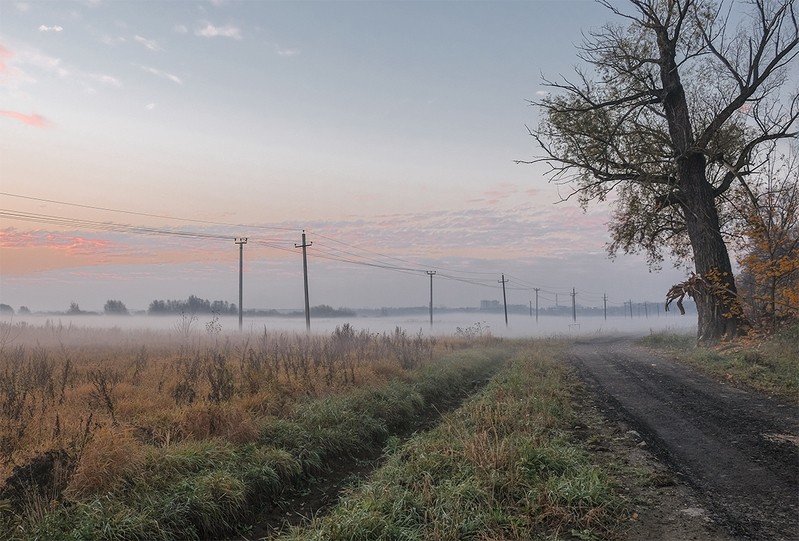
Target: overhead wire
425 267
105 226
144 214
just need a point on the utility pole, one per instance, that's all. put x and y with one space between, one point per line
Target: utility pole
241 241
305 245
574 305
605 303
431 274
631 308
537 289
646 310
504 298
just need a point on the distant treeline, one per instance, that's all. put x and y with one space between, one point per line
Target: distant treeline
321 310
192 305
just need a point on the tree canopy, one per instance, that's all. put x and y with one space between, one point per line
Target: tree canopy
674 112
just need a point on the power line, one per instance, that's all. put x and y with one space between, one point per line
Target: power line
105 226
144 214
401 260
370 260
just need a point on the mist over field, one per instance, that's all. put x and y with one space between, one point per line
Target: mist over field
445 324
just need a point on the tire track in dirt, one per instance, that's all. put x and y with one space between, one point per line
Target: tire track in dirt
737 449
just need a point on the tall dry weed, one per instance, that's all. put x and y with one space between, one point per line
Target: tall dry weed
218 421
110 455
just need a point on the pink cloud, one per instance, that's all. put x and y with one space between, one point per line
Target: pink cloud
4 54
10 238
32 120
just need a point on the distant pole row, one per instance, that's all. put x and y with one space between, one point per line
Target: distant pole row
241 241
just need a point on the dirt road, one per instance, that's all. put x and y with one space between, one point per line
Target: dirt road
739 450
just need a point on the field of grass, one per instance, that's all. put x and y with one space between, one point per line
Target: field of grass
192 434
111 434
769 365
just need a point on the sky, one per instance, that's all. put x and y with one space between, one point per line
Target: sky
139 139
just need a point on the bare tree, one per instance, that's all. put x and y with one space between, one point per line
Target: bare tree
671 118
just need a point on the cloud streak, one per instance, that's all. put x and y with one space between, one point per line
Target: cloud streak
5 55
149 44
28 252
163 74
107 80
287 52
34 120
209 30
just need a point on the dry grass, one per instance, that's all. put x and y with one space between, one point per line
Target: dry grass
113 453
102 395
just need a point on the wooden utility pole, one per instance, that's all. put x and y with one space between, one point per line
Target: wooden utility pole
241 241
574 305
504 298
605 303
431 274
305 245
537 289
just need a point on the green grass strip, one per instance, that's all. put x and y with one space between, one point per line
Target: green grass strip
500 467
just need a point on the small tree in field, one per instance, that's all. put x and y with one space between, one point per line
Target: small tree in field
115 308
769 281
669 122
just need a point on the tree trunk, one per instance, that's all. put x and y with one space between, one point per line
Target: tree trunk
717 306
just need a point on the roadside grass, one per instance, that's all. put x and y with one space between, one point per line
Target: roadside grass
264 420
769 365
502 467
